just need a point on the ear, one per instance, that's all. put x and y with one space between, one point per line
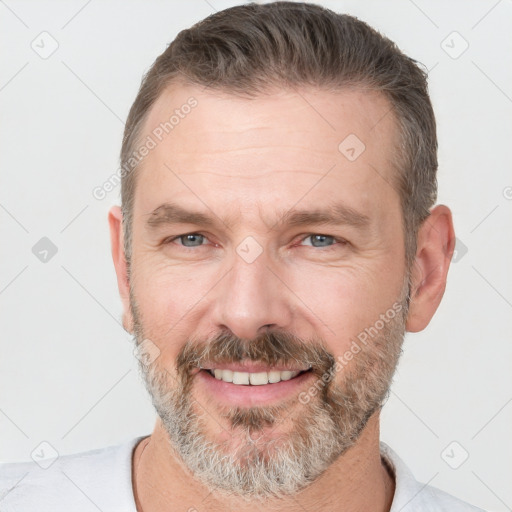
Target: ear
435 246
115 220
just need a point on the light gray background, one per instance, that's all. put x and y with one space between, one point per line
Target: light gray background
67 371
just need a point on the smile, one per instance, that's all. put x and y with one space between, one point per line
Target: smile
251 383
253 379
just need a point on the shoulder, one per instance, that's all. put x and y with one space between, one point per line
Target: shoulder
100 479
411 495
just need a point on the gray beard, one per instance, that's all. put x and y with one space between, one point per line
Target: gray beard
253 464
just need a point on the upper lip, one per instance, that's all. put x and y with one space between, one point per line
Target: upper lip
251 367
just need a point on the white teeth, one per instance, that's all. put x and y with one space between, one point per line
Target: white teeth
255 379
240 378
225 375
274 377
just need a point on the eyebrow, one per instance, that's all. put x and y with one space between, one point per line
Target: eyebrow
337 214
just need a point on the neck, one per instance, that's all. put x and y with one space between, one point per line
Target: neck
358 479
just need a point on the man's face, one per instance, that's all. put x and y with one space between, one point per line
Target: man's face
257 287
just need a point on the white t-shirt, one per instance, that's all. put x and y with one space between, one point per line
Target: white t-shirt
102 480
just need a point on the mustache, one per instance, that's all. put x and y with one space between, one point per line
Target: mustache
270 348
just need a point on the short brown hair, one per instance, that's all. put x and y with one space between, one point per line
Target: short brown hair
250 48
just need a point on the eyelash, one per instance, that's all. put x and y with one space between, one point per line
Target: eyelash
337 241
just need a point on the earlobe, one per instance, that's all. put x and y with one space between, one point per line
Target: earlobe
115 220
435 246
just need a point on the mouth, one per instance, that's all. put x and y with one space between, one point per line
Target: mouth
252 385
261 378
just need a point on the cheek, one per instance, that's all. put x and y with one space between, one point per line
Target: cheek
343 304
168 297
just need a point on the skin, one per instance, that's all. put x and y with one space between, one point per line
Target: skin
252 161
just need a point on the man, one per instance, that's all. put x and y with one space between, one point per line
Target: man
277 237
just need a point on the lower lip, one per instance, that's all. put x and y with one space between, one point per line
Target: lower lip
266 394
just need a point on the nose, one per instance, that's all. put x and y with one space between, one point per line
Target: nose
252 298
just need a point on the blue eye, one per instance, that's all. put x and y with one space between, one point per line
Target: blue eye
321 240
191 239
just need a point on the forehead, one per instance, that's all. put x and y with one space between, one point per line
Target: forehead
267 148
215 114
